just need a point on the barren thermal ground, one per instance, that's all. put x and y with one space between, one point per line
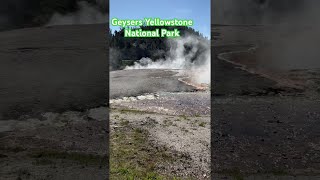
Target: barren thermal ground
53 112
54 68
265 106
166 121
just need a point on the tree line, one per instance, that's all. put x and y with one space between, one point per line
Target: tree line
123 49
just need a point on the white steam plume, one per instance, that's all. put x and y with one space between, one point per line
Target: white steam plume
87 14
196 60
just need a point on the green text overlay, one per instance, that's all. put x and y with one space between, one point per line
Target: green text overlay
135 32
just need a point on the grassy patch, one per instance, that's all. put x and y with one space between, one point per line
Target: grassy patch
234 173
23 172
46 155
184 130
41 162
167 123
124 122
202 124
133 157
183 117
197 115
135 111
237 175
16 149
279 172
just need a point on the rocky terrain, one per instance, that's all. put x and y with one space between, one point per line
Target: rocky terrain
172 118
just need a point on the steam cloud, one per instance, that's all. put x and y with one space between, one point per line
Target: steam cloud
295 39
87 14
253 11
292 38
195 59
